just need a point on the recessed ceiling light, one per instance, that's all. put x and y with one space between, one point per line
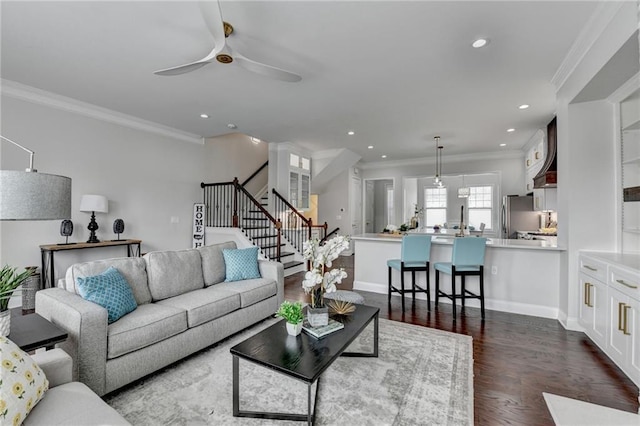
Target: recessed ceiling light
523 106
511 130
384 156
370 147
503 144
204 116
481 42
232 126
351 133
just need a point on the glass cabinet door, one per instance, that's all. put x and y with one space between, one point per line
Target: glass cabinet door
305 188
293 188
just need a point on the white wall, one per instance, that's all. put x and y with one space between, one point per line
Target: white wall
586 162
147 178
333 204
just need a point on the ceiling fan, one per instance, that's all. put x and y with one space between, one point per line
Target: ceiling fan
223 52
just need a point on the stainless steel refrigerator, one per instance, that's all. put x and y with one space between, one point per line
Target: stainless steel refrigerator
518 215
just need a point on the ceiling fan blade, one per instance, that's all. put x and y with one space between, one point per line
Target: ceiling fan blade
213 19
182 69
264 69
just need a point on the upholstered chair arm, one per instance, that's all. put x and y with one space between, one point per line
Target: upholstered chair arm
275 271
86 325
57 366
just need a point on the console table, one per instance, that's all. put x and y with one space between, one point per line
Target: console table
47 252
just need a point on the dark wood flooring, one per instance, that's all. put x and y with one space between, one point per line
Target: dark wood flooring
516 358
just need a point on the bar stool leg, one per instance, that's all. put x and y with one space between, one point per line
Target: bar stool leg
453 294
402 288
437 287
481 293
413 286
428 291
462 277
389 292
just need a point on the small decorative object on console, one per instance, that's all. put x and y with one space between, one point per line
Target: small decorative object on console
341 307
66 229
118 227
319 279
292 314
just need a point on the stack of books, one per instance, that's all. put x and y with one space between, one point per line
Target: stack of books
319 332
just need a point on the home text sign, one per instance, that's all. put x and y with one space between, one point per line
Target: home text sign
198 225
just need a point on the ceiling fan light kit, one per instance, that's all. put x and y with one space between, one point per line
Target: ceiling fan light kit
223 53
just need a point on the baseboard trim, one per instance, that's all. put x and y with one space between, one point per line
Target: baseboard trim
490 304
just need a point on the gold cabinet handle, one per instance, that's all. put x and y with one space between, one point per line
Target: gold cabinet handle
620 309
586 294
626 284
589 302
624 326
591 268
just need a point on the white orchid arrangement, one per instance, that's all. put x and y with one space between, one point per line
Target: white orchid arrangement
319 279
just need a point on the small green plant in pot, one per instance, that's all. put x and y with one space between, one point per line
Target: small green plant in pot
292 314
9 282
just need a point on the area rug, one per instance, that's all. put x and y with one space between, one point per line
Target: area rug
422 376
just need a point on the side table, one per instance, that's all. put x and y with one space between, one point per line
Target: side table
31 331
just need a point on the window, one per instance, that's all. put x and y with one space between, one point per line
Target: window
480 206
435 205
294 160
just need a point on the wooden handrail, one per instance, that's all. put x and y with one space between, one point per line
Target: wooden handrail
293 209
256 203
204 185
266 163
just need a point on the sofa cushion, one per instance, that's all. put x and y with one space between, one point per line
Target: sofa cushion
213 267
173 272
241 264
251 291
133 269
73 404
22 383
205 305
145 326
109 290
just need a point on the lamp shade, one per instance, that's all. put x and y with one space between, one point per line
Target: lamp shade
94 203
34 196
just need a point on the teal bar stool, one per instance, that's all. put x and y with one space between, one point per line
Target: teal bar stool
467 260
415 253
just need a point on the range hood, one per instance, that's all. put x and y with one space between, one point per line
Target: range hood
547 177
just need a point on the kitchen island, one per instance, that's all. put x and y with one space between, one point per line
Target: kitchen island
521 276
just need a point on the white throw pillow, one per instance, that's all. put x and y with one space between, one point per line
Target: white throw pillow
22 383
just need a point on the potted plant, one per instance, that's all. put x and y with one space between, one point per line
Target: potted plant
320 278
292 314
9 282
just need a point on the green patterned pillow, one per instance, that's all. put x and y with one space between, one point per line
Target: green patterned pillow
241 264
22 383
109 290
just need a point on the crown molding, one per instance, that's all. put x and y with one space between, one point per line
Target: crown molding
41 97
460 158
593 29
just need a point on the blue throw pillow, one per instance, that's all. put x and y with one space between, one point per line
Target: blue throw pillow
241 264
109 290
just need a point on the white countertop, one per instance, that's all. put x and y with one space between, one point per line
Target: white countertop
441 238
631 261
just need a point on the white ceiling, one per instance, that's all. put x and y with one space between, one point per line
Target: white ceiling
397 73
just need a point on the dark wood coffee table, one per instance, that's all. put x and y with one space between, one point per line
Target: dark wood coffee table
31 331
268 349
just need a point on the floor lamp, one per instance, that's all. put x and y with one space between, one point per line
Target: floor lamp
30 195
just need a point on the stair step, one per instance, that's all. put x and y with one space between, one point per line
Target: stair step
292 264
254 218
264 236
283 254
271 246
256 227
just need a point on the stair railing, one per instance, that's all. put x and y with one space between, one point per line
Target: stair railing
229 204
247 180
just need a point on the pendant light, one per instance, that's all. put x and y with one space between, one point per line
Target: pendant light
437 180
464 191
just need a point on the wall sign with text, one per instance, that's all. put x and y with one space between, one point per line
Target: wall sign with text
198 225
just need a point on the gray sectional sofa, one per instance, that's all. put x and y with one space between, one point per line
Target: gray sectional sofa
184 306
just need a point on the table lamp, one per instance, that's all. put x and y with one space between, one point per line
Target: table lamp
93 204
30 195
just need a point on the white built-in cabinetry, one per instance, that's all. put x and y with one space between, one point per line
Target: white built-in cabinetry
534 158
299 181
545 199
610 306
630 171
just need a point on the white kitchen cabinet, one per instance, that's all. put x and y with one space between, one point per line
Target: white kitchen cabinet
630 171
299 189
613 278
545 199
534 158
